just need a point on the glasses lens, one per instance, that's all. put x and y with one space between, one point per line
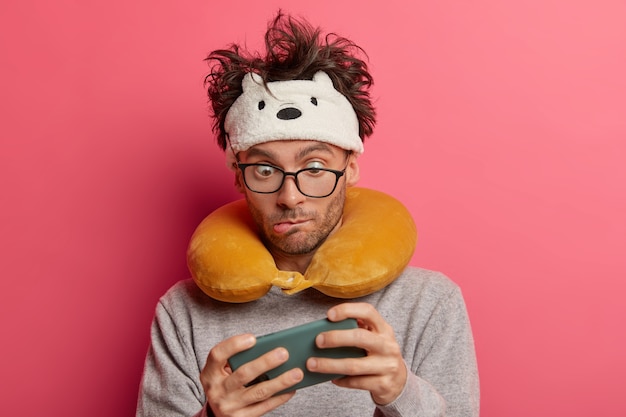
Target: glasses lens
316 182
263 178
313 182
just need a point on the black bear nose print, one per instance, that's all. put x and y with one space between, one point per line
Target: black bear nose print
288 113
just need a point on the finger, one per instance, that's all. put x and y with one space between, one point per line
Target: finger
255 408
366 383
264 407
217 359
365 313
383 388
268 389
361 338
347 366
248 372
383 380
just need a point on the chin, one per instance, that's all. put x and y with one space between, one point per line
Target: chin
297 246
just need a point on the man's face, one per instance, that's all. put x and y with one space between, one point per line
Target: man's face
290 222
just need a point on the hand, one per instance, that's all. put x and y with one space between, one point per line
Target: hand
382 372
225 390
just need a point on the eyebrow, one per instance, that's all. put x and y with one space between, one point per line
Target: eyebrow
316 147
323 147
258 152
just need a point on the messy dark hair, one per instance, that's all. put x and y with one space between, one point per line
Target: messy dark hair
294 51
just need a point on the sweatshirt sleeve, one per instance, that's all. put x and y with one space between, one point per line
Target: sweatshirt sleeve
443 381
170 385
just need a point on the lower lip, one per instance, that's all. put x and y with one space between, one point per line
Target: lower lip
281 228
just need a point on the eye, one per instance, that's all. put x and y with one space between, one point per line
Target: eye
264 170
261 105
314 167
314 101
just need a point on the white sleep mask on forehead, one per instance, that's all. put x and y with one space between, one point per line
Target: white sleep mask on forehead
292 110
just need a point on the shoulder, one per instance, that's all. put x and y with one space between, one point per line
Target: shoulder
424 283
183 292
421 293
183 299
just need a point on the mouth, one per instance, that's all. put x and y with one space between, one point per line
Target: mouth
286 227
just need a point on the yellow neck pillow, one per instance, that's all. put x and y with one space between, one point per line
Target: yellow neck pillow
374 244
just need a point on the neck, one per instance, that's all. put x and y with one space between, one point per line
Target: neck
287 262
298 262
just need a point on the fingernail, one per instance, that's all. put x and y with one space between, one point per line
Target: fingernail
281 354
312 363
296 374
319 340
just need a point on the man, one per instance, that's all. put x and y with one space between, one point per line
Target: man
420 356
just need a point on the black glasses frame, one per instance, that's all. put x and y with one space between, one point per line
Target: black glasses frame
338 174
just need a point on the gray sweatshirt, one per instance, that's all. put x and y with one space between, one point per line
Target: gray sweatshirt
426 310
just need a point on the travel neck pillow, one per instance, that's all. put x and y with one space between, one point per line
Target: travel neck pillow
375 242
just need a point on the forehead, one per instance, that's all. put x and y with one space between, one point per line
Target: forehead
292 150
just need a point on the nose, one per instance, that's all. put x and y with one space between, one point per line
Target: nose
289 196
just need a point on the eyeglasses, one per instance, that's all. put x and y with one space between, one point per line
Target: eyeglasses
312 182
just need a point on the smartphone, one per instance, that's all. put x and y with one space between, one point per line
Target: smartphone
300 343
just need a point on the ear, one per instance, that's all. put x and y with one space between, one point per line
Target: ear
239 184
352 171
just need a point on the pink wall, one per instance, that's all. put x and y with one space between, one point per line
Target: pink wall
502 128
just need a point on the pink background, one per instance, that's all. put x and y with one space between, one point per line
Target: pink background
502 128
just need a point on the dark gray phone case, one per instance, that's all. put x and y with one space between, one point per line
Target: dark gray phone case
300 343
